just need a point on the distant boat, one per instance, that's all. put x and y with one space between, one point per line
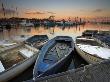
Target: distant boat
59 23
49 23
5 26
53 55
14 60
91 50
65 23
8 26
1 29
24 23
37 41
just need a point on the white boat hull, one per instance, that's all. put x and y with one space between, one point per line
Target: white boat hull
17 69
88 57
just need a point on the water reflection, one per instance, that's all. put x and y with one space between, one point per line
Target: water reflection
72 31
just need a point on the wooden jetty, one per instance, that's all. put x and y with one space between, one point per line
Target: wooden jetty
99 72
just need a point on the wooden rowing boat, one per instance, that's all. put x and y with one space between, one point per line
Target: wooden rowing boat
17 59
90 50
37 41
53 55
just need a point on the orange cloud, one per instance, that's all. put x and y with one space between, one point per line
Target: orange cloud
34 12
51 12
98 10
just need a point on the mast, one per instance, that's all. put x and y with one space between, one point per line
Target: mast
17 11
3 10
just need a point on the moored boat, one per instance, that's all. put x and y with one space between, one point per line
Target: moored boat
89 32
16 59
103 37
90 50
26 23
1 28
53 56
37 41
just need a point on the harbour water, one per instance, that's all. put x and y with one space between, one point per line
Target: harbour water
51 32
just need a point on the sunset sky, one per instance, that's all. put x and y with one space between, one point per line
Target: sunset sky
58 8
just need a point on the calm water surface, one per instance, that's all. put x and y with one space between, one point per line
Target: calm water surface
51 31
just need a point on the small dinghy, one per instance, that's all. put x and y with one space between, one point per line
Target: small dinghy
90 50
89 32
53 55
16 59
37 41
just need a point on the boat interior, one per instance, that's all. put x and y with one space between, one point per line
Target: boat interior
37 41
89 32
7 44
87 41
14 56
56 52
104 38
39 44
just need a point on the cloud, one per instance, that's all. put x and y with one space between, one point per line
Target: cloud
51 12
97 10
38 12
34 12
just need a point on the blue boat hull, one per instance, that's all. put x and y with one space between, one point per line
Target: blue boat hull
41 68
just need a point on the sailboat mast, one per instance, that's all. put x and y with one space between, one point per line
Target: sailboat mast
3 10
17 11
